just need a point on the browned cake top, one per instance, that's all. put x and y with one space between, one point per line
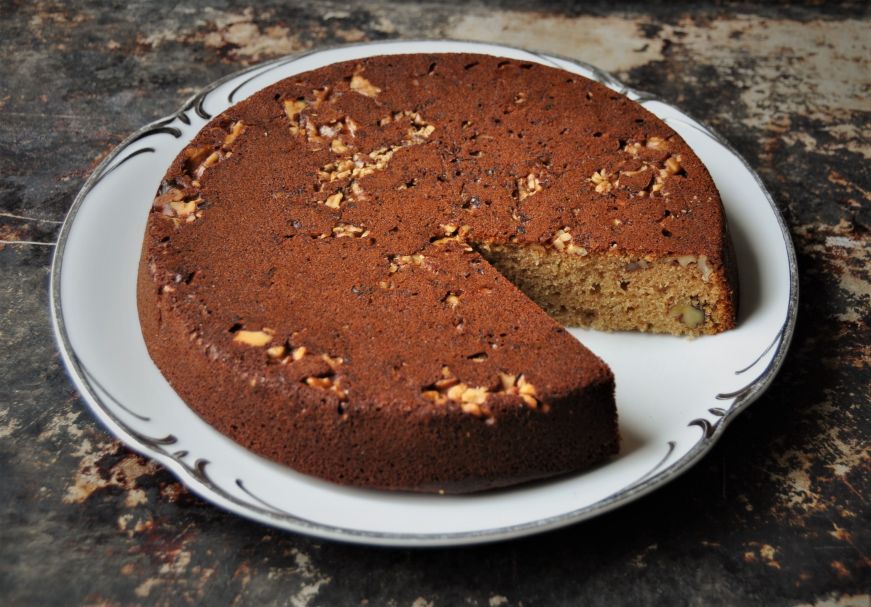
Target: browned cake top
324 223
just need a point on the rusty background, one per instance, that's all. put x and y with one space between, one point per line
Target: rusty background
777 514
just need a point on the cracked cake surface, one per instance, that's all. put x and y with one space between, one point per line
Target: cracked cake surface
361 271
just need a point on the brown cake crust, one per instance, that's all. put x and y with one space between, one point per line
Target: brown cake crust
308 283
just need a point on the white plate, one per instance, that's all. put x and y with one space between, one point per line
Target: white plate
674 396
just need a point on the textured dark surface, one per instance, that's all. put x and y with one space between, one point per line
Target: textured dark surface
777 514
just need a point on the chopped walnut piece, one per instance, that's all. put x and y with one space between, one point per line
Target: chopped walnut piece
701 262
634 266
346 230
469 398
237 129
446 383
211 160
632 148
324 383
448 380
358 190
416 133
508 380
298 353
685 260
351 126
330 130
561 239
334 201
471 408
171 195
474 395
657 143
688 314
363 86
360 165
253 338
704 267
400 261
435 396
327 383
472 399
602 181
321 95
183 209
518 385
276 351
292 108
455 392
528 186
672 165
333 361
337 146
336 170
524 386
194 156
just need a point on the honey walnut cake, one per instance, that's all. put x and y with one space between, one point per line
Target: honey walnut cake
362 271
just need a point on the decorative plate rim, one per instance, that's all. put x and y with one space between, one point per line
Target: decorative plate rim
195 477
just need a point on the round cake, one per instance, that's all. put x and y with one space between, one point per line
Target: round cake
363 271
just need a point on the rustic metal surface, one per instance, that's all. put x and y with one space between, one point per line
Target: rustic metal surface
777 514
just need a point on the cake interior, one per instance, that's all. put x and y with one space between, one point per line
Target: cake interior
616 292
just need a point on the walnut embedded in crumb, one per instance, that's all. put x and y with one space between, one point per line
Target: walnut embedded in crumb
337 146
319 382
473 399
657 143
360 85
184 210
334 201
435 396
701 262
253 338
292 109
420 132
685 260
672 165
330 383
276 351
704 267
334 362
210 161
347 230
321 95
447 380
528 186
562 242
688 314
398 262
507 380
602 181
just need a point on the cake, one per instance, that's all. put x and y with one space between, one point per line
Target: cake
363 271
